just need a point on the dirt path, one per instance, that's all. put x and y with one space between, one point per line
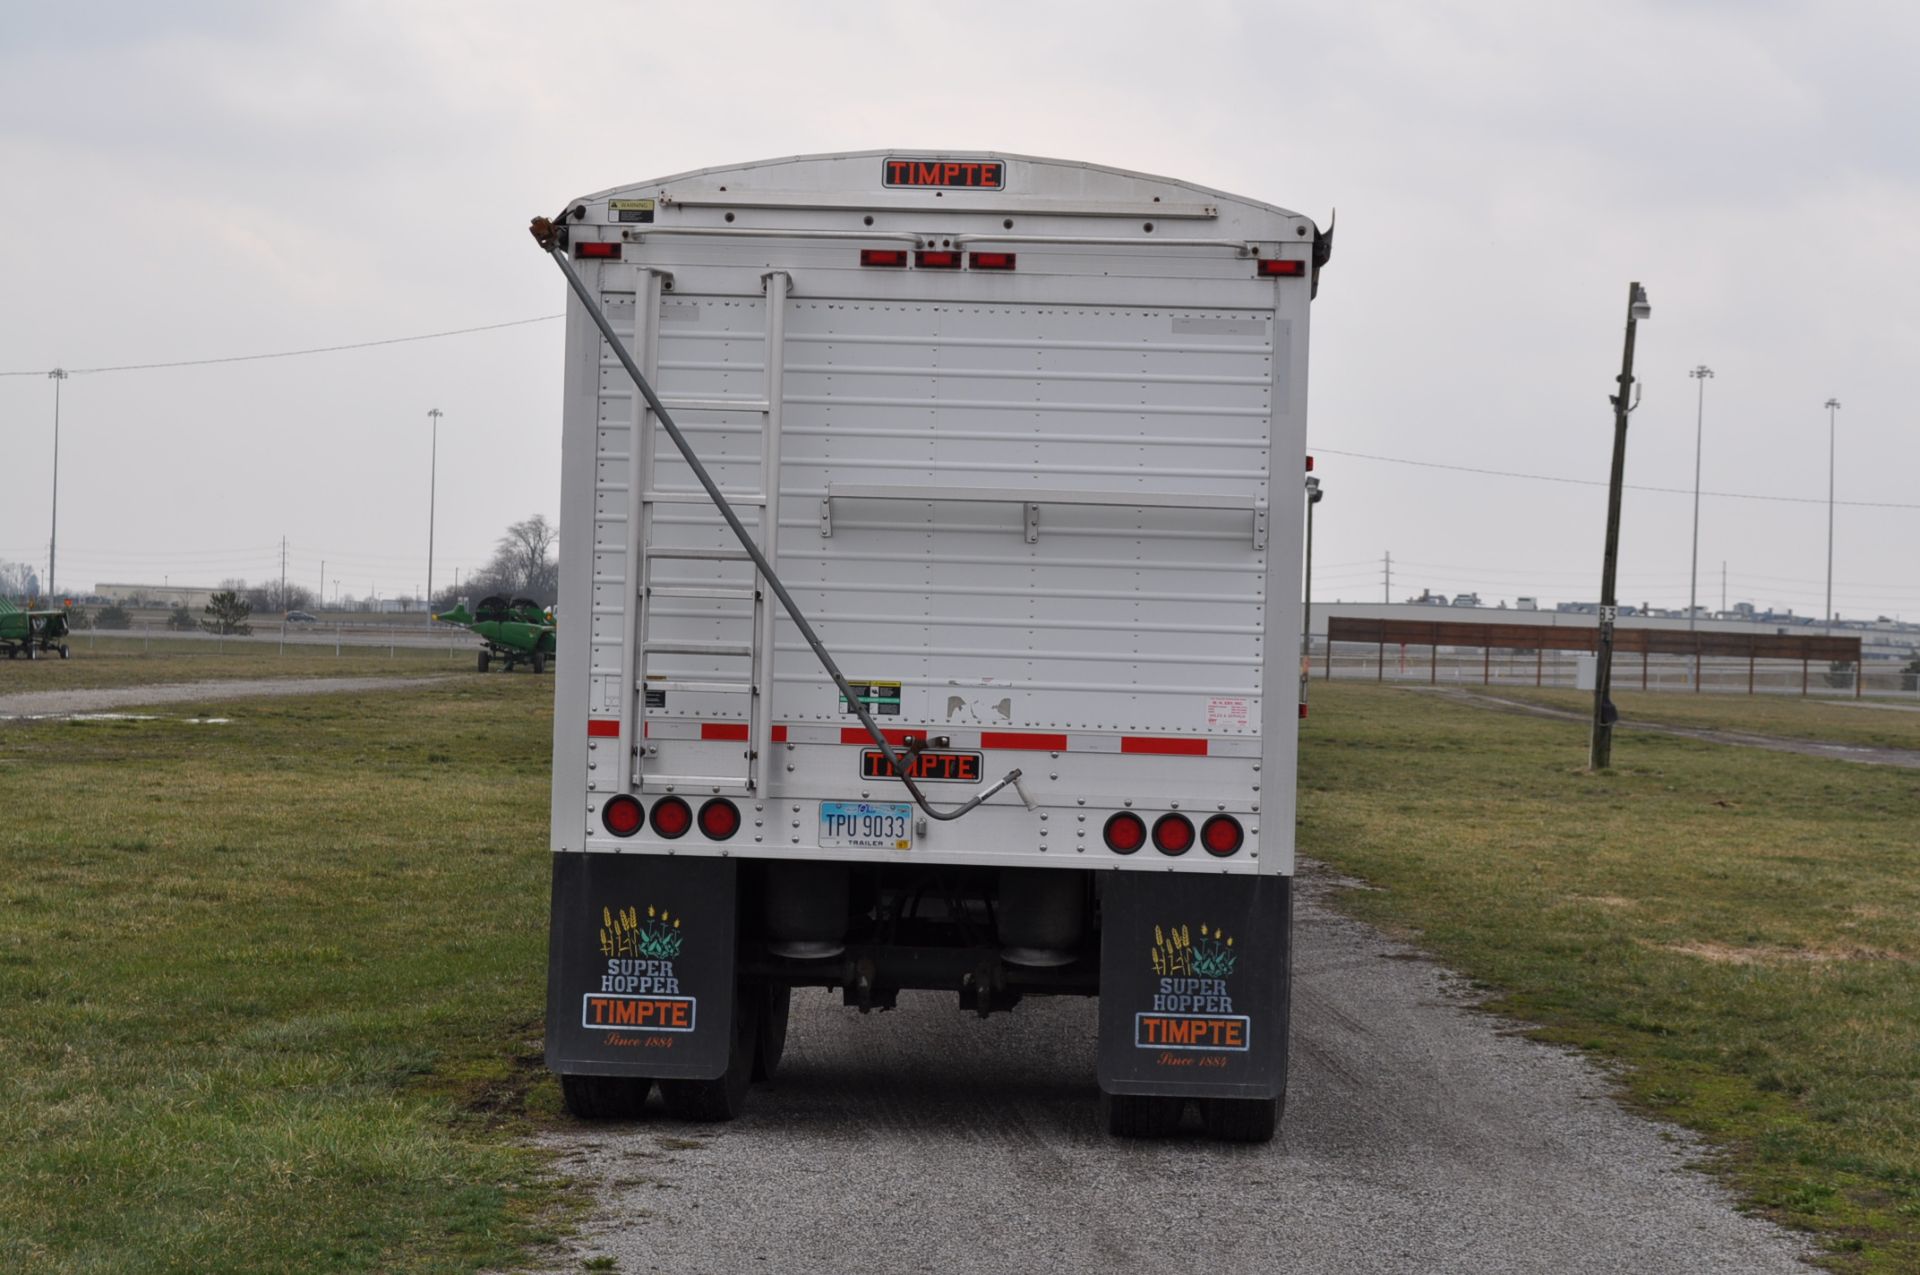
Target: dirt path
37 704
1903 757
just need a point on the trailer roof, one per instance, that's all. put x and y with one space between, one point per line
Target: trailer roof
1026 183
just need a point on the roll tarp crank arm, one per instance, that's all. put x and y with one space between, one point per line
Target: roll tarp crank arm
547 235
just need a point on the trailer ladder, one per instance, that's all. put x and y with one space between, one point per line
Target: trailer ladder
753 650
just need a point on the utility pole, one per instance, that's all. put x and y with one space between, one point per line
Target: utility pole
323 582
1306 636
1833 405
1723 586
433 478
1700 374
53 536
1600 753
1386 590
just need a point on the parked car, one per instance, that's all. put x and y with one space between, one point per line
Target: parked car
301 617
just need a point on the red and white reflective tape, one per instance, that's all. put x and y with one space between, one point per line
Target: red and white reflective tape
986 740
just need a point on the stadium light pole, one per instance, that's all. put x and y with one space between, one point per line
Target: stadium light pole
1600 752
1702 374
1833 405
433 482
53 535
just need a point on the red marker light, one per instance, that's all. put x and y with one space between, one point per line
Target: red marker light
621 816
595 249
1125 833
937 260
672 818
1271 267
990 260
883 256
1309 464
1172 834
719 819
1222 836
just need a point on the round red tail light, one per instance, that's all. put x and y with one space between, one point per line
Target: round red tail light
1172 834
1221 835
621 816
719 819
671 818
1125 833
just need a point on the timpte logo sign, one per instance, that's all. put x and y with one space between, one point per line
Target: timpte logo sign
1192 1006
961 174
639 990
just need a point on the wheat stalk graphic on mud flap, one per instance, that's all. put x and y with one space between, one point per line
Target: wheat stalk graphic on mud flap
1175 952
623 933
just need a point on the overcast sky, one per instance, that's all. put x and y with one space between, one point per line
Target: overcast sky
195 180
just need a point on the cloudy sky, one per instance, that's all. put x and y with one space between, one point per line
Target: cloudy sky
200 180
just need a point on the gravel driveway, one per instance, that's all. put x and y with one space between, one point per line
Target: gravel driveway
102 699
1420 1136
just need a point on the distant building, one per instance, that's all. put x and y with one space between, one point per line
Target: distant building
192 597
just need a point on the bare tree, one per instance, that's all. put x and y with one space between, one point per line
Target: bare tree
522 565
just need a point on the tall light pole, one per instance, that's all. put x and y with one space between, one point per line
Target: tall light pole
1600 753
433 480
1833 405
1702 374
53 536
1306 637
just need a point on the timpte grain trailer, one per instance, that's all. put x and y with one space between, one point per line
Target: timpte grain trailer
930 575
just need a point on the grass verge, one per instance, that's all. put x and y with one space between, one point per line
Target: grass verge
1874 723
270 991
102 660
1737 927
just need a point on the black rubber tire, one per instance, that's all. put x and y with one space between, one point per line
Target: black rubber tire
606 1097
725 1097
776 1007
1141 1115
485 660
63 651
539 663
1241 1119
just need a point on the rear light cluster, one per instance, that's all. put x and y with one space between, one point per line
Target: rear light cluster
1173 835
936 259
672 818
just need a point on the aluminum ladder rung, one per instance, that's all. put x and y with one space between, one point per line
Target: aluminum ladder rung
749 498
698 648
701 555
737 593
711 686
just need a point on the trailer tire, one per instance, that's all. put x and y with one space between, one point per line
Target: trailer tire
1241 1119
1128 1115
539 663
776 1008
606 1097
725 1096
485 660
63 651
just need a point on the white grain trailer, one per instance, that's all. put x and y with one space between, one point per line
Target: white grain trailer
1021 443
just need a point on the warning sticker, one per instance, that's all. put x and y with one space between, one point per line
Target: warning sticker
631 209
881 698
1229 714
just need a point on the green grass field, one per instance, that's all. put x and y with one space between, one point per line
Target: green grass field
108 660
1741 928
269 990
1880 723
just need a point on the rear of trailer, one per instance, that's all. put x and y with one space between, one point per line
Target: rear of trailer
1021 441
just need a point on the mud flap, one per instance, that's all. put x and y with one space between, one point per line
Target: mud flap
640 966
1194 983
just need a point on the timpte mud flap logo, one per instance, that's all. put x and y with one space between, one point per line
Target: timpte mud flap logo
1192 1004
639 990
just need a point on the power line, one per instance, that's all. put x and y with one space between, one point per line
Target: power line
1594 482
294 354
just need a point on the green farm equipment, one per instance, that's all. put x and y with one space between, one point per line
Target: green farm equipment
516 632
32 632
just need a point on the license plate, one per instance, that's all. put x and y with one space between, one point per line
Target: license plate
866 825
936 767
